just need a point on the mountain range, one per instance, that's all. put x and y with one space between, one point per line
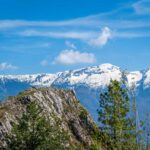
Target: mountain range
87 83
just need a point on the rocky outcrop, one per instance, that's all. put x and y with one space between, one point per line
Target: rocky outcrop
61 103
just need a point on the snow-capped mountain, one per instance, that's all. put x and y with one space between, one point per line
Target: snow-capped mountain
94 77
86 82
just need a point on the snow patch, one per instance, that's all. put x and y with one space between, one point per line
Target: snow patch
134 78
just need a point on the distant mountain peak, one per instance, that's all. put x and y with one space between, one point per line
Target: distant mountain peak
107 66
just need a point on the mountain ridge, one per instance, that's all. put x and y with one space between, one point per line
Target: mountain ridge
50 78
86 82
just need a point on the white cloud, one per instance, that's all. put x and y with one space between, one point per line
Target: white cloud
87 28
7 66
70 45
69 57
102 39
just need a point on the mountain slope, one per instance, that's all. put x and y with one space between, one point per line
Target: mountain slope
55 104
86 82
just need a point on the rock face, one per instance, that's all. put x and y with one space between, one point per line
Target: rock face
86 82
62 103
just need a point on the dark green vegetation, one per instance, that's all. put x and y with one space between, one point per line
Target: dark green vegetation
117 122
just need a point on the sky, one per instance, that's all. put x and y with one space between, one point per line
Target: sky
48 36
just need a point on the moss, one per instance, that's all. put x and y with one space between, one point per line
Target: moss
26 93
3 110
94 146
83 113
23 97
10 97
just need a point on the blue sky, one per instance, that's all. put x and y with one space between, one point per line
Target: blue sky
46 36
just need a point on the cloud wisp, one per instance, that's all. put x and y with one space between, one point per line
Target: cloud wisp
44 62
57 34
7 66
102 39
90 37
71 57
123 22
70 45
142 7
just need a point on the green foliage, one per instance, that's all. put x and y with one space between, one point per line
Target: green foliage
94 147
113 117
83 115
34 132
146 131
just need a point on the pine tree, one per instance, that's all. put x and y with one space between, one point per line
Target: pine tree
113 117
34 132
146 128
